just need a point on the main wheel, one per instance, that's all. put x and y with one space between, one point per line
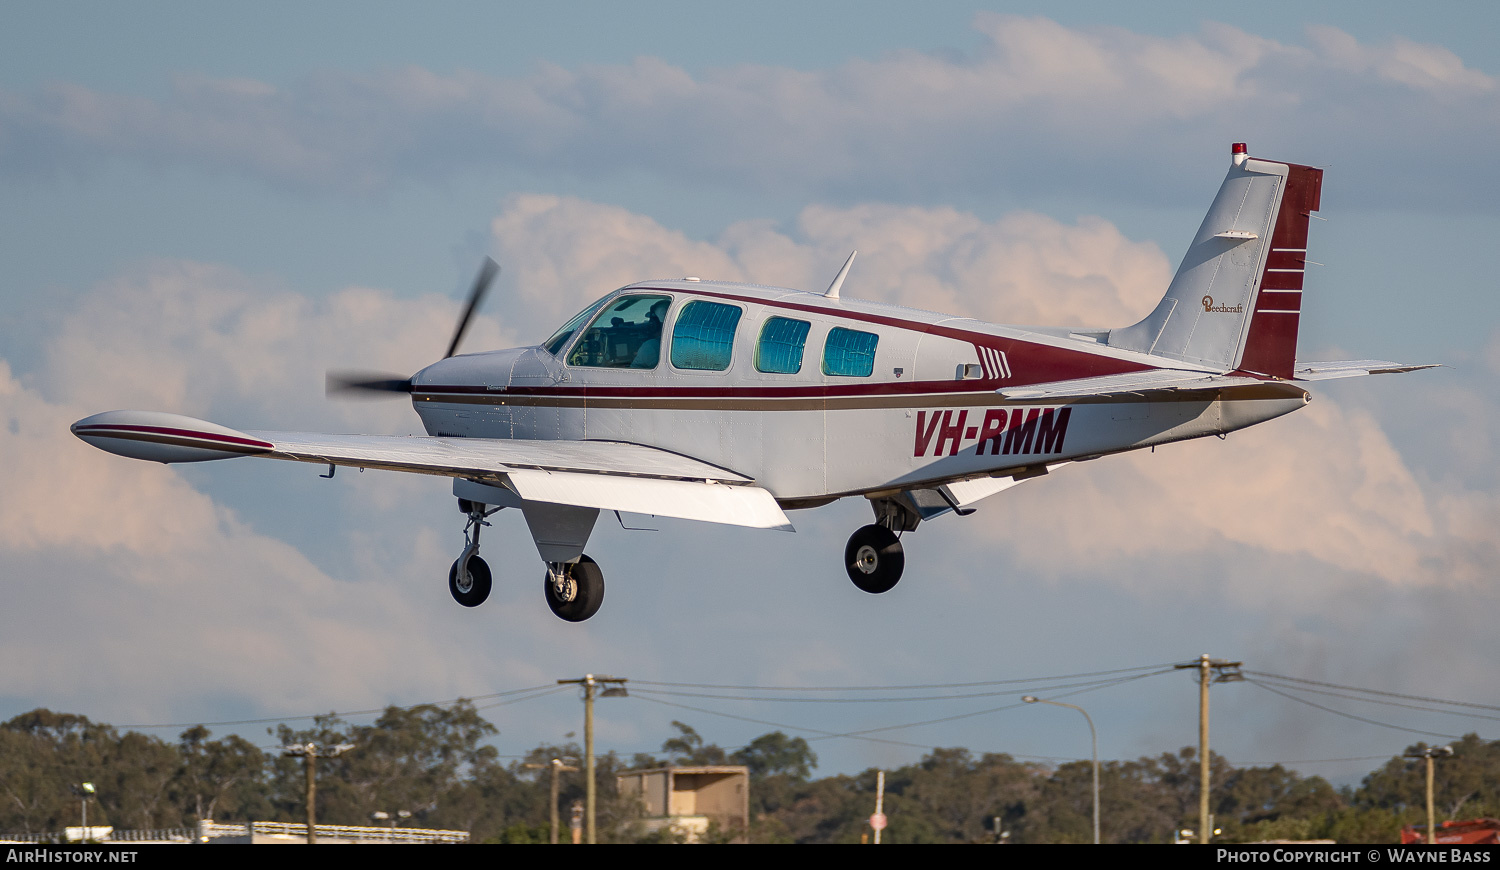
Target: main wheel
473 592
874 559
582 592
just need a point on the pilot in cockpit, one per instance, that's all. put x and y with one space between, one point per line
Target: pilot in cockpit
649 353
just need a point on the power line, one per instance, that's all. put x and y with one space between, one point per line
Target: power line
826 734
1243 764
1035 687
910 687
1376 691
338 715
1351 715
1349 697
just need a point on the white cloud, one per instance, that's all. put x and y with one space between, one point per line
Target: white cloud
203 340
1023 268
1429 68
1324 486
1097 101
136 596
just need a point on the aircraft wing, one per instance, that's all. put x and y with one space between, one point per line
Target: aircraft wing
608 475
1134 383
1319 371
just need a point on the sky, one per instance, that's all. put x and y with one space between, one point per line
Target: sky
204 206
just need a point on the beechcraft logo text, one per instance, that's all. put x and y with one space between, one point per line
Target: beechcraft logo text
1209 306
1018 431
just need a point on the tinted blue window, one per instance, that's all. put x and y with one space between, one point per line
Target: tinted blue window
779 350
703 336
849 353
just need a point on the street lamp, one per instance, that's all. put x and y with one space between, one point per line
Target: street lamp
1094 736
85 791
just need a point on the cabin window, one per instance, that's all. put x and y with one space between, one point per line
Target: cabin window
559 340
703 337
849 353
779 350
625 335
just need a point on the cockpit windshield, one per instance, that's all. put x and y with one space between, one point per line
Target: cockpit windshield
560 338
627 334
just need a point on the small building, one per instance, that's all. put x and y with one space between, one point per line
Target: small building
686 801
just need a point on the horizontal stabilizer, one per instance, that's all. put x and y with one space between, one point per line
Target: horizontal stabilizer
1353 368
1133 383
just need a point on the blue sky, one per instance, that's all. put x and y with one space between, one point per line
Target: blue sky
206 205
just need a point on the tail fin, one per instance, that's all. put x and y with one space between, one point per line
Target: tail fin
1237 296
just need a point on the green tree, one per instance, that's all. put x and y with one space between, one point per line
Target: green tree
220 779
688 748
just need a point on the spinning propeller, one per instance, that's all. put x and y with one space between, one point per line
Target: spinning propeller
347 384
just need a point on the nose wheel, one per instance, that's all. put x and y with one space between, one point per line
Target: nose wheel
574 590
874 559
471 586
469 579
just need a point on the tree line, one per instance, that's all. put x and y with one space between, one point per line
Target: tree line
437 764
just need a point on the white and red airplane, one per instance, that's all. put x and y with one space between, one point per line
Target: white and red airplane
732 403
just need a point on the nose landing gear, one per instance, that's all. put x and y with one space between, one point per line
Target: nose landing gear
574 590
469 579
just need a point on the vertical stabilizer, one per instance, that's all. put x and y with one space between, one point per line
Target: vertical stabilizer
1237 297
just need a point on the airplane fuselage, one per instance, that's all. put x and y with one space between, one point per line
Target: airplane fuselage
928 410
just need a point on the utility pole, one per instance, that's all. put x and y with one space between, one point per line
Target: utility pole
1431 753
557 768
1229 672
615 689
310 752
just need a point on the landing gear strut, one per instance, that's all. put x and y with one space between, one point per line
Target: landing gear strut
574 590
874 559
469 579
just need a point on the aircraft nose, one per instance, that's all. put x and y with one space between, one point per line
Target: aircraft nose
489 369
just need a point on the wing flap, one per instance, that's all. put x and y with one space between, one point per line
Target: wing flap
688 500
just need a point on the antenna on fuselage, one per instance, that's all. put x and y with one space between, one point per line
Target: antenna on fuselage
833 289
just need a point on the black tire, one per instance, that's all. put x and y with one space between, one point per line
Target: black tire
479 583
874 559
588 591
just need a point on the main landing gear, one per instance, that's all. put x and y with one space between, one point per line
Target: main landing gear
574 590
874 559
